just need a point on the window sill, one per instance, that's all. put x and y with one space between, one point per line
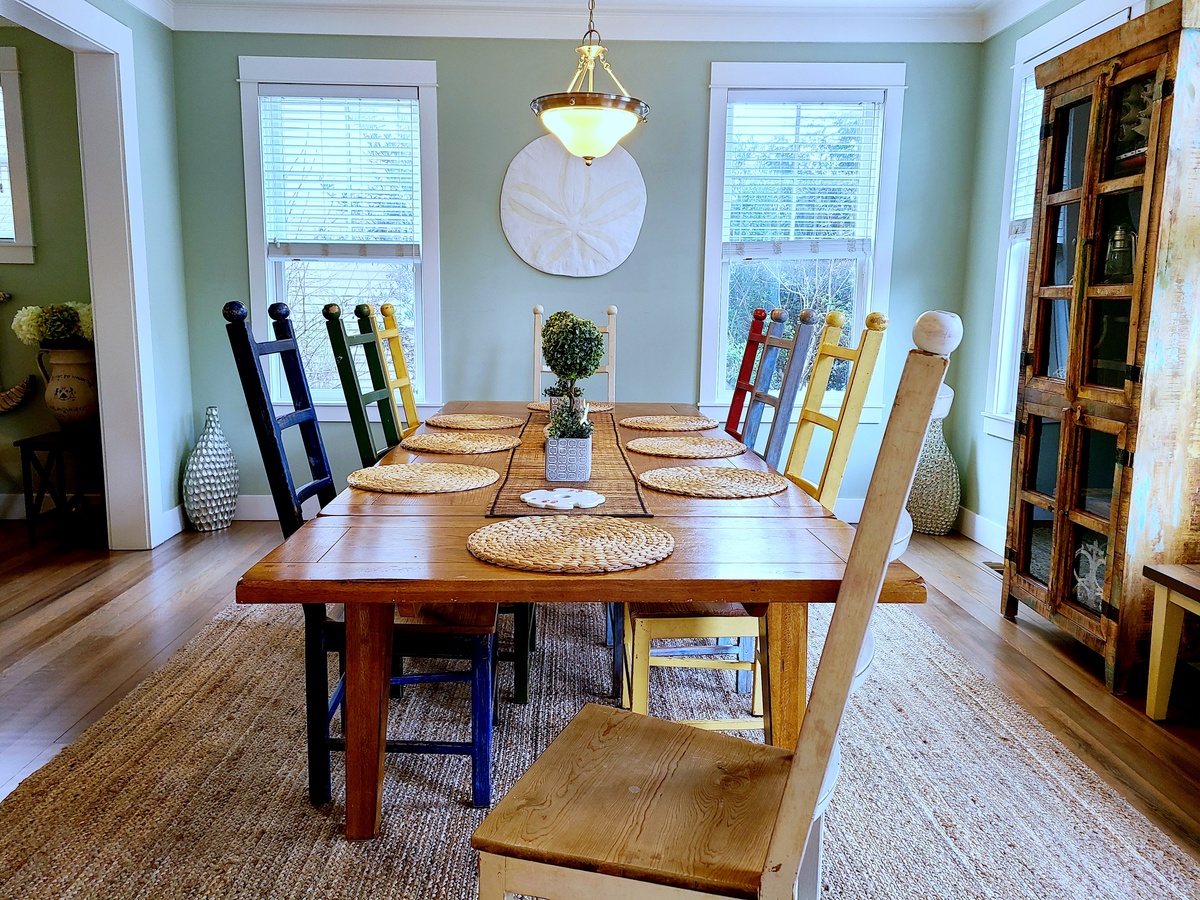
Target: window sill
16 253
999 426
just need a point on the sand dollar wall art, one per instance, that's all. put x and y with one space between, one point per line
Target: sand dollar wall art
567 218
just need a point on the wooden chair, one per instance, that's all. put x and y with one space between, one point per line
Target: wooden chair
689 813
609 369
862 361
388 382
762 348
422 630
648 622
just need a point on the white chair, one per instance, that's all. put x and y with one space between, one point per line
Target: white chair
622 805
609 369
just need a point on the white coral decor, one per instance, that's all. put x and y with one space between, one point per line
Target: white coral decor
27 326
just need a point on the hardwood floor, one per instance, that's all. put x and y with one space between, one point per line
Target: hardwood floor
80 628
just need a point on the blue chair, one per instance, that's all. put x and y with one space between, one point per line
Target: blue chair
428 631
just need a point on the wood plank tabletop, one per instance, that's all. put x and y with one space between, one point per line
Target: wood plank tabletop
1183 578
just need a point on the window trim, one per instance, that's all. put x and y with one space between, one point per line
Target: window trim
1070 29
254 71
814 77
19 250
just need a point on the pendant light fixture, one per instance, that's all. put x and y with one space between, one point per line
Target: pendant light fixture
587 122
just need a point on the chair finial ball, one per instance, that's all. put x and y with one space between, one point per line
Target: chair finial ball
611 311
331 311
539 309
779 315
938 331
386 310
877 321
278 311
808 316
233 311
835 318
364 311
760 315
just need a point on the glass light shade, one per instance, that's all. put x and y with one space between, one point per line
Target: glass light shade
589 124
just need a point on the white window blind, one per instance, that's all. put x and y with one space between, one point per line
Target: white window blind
1025 166
802 171
341 170
8 225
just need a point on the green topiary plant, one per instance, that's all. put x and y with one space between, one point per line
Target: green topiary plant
572 348
567 422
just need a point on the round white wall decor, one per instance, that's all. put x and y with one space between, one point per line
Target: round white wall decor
567 218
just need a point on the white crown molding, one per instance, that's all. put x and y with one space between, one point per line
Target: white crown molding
160 10
650 23
1000 14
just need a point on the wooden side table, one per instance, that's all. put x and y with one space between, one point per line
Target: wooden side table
1176 589
44 471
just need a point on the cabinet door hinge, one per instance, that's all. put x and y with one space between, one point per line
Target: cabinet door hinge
1125 458
1010 553
1108 611
1164 90
1026 358
1133 373
1047 129
1021 429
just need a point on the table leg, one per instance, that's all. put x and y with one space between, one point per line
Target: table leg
1164 649
368 661
784 638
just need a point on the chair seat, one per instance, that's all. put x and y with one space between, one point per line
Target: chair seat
679 806
685 610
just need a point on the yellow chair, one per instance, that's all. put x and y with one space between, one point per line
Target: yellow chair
396 375
627 806
647 622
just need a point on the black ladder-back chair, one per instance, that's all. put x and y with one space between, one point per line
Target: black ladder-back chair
429 632
357 401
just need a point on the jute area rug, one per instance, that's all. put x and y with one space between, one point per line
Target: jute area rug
194 786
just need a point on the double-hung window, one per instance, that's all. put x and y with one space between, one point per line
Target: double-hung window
802 183
339 203
1081 23
16 231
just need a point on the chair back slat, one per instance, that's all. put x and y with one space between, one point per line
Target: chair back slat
609 369
862 361
251 359
397 376
357 398
936 335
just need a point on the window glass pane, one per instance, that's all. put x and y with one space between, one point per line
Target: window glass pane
1054 323
310 284
1071 133
821 285
1025 167
1064 230
1042 465
1089 561
1041 542
801 170
1131 107
8 227
1098 471
341 169
1108 341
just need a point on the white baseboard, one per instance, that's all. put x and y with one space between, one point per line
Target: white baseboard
171 523
982 531
261 508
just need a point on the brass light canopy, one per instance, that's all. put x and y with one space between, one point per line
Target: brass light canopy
589 123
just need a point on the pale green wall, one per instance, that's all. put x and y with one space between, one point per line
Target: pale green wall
483 92
59 272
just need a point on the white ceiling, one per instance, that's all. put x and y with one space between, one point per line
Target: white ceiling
617 20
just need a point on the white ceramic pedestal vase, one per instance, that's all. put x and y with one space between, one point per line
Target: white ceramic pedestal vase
568 459
933 503
210 478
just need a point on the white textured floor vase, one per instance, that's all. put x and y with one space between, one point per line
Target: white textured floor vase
194 785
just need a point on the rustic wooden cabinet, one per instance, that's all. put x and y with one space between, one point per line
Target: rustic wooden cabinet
1106 457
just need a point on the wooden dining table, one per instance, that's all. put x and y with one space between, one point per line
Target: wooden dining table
376 551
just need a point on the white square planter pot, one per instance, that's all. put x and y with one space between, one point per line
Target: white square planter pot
568 459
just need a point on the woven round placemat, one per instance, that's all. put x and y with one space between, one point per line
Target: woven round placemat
471 422
669 423
422 478
544 406
711 481
571 544
688 446
451 442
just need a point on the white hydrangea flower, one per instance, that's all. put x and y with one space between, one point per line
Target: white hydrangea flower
85 319
27 325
